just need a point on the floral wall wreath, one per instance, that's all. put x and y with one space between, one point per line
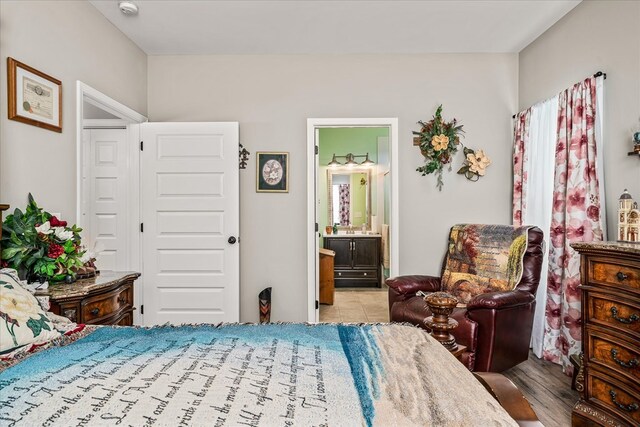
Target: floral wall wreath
439 141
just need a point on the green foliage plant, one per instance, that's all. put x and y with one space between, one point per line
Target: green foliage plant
38 245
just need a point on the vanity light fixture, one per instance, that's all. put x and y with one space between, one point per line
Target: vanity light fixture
334 162
350 160
368 162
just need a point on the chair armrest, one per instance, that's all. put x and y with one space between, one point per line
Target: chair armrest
498 300
409 285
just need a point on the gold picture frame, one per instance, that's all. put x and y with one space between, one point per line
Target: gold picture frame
34 97
272 172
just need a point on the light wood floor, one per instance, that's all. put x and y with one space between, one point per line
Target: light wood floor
547 389
544 385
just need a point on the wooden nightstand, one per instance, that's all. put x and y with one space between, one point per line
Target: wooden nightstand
106 299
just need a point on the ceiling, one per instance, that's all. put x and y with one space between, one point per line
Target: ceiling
168 27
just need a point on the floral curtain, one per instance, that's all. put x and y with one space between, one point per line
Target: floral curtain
535 136
345 204
520 174
575 218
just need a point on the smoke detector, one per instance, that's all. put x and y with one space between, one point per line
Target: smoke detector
128 7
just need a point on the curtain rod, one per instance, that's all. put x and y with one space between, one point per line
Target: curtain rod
598 74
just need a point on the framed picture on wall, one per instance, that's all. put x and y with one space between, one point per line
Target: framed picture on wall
272 172
34 97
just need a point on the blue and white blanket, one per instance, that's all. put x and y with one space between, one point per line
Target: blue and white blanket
247 375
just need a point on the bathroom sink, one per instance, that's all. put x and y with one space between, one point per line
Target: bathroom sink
342 233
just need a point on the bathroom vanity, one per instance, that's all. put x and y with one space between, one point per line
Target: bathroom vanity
357 259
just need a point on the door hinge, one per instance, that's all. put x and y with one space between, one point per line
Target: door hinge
316 227
142 227
317 304
141 145
317 149
142 309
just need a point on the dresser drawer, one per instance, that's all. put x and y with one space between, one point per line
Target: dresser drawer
614 354
615 396
100 306
618 273
125 319
356 274
612 312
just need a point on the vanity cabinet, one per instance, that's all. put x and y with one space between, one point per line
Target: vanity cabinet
357 260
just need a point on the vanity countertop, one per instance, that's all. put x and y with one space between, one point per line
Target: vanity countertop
355 234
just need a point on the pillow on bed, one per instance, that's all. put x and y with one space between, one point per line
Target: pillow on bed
22 320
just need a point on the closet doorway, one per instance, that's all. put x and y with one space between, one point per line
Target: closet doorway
108 209
353 217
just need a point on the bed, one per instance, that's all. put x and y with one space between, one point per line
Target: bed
57 373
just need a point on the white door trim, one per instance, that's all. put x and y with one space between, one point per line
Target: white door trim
312 235
84 92
104 124
132 120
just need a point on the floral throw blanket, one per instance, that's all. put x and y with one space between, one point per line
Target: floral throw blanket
483 258
247 375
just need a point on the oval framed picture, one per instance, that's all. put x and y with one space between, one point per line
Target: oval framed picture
272 172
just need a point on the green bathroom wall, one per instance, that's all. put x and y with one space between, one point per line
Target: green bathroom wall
358 140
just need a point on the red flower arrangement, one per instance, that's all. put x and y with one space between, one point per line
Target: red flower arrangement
42 247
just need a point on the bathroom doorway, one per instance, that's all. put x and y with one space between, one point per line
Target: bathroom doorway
353 218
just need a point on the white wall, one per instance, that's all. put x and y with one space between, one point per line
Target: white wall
69 40
272 96
595 36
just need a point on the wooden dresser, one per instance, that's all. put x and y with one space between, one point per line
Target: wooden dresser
609 377
357 260
327 284
106 299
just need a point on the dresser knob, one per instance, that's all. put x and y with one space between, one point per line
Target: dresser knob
365 274
630 364
628 320
632 407
621 276
95 311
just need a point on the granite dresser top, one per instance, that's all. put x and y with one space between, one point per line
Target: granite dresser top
86 286
626 247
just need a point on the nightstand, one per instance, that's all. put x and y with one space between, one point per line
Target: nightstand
106 299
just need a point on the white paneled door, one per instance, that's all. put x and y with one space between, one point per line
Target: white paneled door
190 213
106 185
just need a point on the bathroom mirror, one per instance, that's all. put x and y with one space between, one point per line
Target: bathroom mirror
349 197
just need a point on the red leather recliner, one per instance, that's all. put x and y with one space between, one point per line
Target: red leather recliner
495 327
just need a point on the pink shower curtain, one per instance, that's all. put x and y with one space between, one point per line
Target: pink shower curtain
575 218
345 204
520 174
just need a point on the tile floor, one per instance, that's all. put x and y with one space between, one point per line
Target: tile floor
356 306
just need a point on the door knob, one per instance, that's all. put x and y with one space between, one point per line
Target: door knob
232 240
